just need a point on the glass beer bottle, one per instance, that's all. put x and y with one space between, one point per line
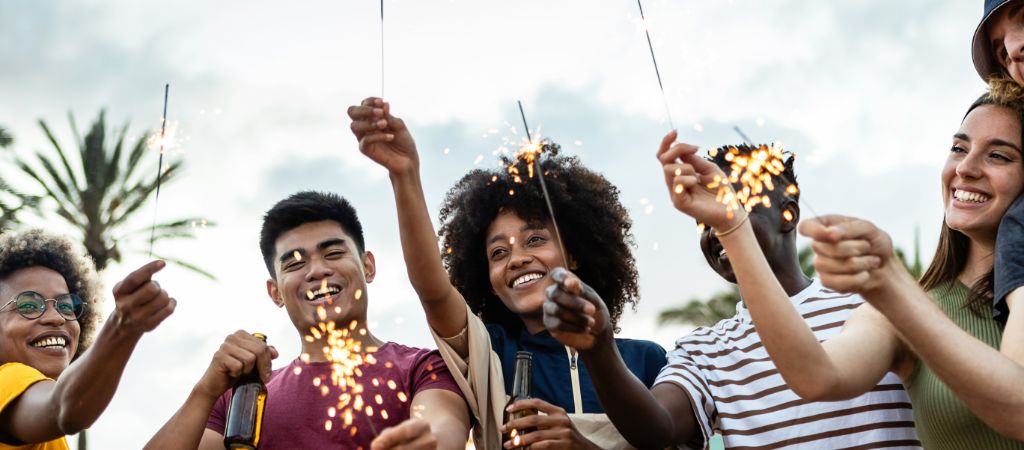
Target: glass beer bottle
245 413
521 390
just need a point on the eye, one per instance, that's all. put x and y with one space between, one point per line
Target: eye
958 149
1002 57
334 254
536 239
999 156
292 265
29 307
498 253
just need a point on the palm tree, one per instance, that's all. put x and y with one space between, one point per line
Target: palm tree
722 305
12 201
5 138
99 188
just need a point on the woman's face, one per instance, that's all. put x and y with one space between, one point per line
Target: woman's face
984 172
521 256
47 343
1006 35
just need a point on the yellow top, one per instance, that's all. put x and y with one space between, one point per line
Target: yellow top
15 378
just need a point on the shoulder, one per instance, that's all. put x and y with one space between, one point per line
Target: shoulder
11 371
410 358
640 347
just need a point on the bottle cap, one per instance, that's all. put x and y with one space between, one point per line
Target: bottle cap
526 355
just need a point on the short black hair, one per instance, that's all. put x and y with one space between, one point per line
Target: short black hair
594 225
302 208
725 156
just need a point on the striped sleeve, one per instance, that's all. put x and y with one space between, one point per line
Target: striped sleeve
682 372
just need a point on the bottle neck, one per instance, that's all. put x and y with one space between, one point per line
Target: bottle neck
521 383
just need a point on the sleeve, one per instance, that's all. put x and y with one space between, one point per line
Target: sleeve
15 379
1009 265
655 361
430 372
219 414
682 372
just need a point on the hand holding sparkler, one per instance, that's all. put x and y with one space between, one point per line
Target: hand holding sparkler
383 137
574 314
412 434
688 177
851 255
239 353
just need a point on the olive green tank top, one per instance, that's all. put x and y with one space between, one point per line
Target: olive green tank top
943 421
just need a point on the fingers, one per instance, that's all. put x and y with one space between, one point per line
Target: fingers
241 352
842 249
556 438
535 403
845 283
666 142
676 152
847 266
410 434
138 278
558 318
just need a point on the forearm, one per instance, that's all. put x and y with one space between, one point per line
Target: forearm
451 432
422 260
987 381
800 358
634 411
185 429
85 389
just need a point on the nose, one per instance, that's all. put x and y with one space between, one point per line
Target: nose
1014 42
970 166
50 315
519 257
318 269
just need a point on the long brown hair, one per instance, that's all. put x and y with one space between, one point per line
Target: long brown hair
951 255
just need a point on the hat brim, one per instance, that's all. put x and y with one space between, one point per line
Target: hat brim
981 50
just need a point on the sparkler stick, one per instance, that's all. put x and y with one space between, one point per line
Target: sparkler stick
668 111
742 135
159 170
544 188
382 48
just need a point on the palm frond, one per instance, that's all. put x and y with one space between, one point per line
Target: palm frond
6 138
72 176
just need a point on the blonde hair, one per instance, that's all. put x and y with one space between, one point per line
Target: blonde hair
37 248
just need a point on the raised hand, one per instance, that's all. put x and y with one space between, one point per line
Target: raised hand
383 137
574 313
851 255
413 434
687 177
239 353
552 430
140 303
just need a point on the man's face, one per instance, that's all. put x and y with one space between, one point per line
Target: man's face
767 226
318 265
1006 39
47 343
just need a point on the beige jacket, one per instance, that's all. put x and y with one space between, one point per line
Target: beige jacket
479 376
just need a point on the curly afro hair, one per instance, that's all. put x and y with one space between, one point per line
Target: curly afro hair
594 225
37 248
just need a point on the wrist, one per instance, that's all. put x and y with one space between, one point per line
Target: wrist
889 279
406 173
603 348
119 330
730 224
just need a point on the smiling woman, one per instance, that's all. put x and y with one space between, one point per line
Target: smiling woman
48 317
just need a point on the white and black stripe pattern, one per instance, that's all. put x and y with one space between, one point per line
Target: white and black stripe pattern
737 391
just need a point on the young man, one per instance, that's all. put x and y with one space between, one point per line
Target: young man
313 247
721 378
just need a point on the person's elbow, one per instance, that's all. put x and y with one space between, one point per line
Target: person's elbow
71 421
821 388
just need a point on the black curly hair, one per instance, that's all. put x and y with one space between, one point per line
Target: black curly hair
302 208
594 225
37 248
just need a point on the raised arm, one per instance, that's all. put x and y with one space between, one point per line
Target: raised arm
239 353
386 140
986 379
48 410
656 418
812 370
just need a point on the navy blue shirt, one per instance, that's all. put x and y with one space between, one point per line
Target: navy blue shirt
1009 265
551 375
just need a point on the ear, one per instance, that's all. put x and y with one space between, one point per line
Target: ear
789 210
369 266
274 293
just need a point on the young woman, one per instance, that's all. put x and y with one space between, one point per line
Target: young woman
964 392
500 249
50 301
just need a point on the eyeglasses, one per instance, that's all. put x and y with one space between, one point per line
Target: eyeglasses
31 305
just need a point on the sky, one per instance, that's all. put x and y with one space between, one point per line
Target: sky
866 93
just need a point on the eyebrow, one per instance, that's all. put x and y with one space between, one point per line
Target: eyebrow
997 141
528 226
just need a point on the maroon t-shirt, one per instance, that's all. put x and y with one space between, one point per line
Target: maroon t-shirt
297 411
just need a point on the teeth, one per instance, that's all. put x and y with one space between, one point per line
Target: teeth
55 341
526 278
972 197
322 292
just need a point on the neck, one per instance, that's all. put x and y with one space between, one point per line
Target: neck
979 261
315 348
533 324
786 266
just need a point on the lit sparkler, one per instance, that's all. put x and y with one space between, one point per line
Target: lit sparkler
668 111
382 48
530 153
161 141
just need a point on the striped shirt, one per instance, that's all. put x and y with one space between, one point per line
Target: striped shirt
736 390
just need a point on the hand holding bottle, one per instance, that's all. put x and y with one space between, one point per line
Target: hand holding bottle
239 354
552 429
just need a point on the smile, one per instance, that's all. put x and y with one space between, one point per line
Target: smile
526 278
970 197
51 342
324 291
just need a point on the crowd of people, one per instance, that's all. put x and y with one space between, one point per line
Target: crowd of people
864 356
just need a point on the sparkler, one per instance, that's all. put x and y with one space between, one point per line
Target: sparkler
668 111
159 169
530 153
382 48
773 159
